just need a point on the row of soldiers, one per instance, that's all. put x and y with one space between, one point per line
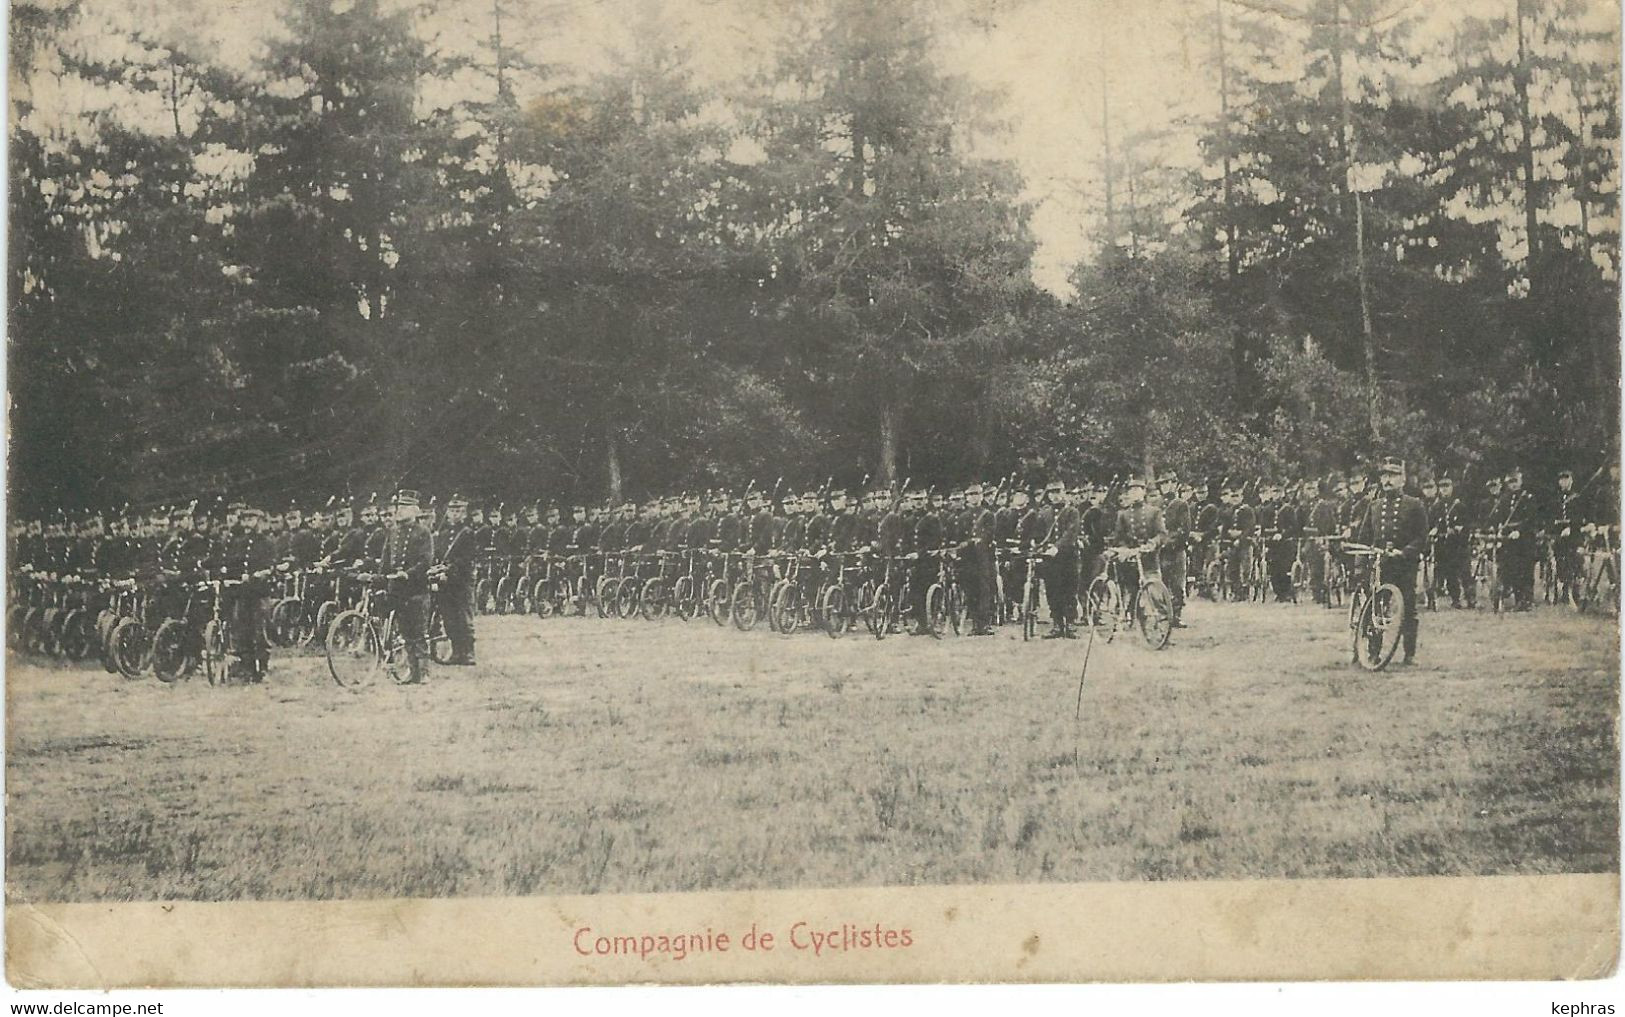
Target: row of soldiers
1069 528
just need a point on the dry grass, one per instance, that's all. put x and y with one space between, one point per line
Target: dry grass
602 756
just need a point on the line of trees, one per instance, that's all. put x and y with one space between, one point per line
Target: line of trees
397 247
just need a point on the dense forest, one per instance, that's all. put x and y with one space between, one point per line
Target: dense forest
392 243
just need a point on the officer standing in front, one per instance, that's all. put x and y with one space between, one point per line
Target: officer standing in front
1397 524
408 553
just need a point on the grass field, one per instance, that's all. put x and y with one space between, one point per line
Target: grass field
607 756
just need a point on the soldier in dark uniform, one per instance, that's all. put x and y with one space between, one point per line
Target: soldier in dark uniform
249 557
1449 525
1266 514
1176 522
1095 528
1281 549
1397 525
843 524
1138 528
1518 554
1205 535
1241 528
375 530
976 574
730 524
303 546
456 549
1061 569
1563 528
407 556
926 535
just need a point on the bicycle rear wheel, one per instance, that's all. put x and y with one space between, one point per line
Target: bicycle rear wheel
1103 608
283 622
485 595
130 648
172 651
1155 609
542 599
685 599
438 639
354 651
626 597
652 601
78 636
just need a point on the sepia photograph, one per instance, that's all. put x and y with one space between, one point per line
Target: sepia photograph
913 453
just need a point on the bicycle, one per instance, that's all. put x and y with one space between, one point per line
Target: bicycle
1377 610
686 600
655 598
1300 573
218 647
1487 570
719 588
944 600
841 602
1151 610
366 641
291 622
1028 609
881 610
749 602
128 643
1600 584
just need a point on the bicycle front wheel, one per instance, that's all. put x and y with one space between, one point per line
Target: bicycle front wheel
743 607
1377 634
216 665
354 650
832 608
936 610
717 604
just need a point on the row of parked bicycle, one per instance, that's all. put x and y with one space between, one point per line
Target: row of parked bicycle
174 628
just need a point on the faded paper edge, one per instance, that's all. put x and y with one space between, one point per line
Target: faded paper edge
1562 927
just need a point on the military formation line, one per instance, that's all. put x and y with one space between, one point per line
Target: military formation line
384 586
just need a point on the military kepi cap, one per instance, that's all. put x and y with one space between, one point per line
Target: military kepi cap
405 497
1393 464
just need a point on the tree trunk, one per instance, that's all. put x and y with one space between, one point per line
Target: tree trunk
1106 147
1526 146
1368 334
612 444
888 443
1240 361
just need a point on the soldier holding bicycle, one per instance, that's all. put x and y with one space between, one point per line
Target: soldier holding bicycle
1396 525
1139 530
408 554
